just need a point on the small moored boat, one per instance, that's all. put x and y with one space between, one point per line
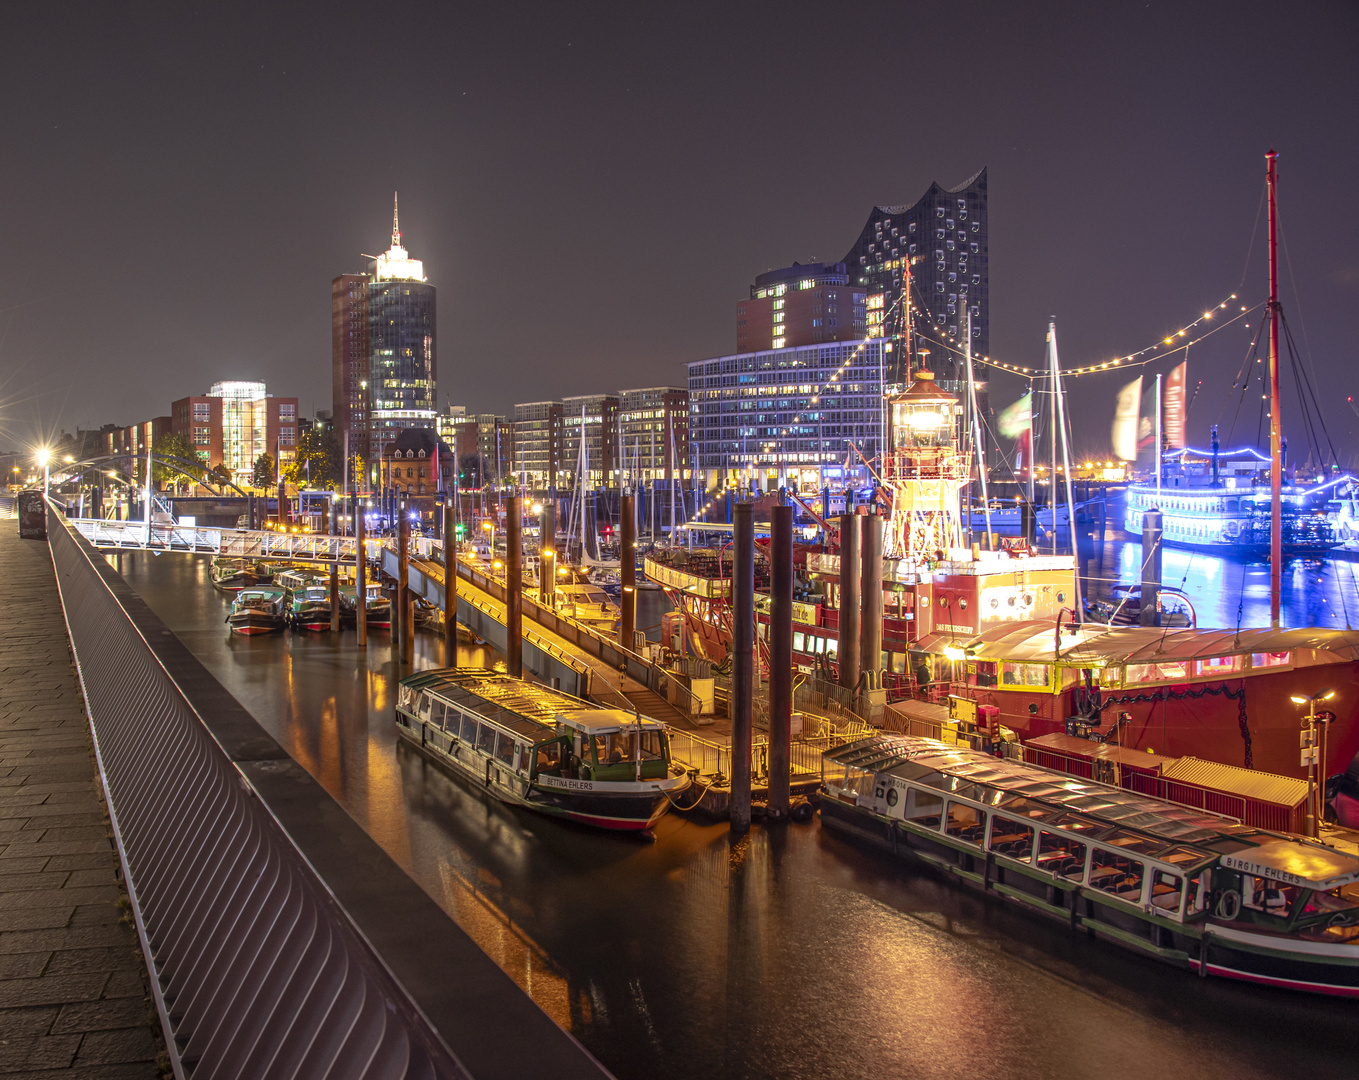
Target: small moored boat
308 600
379 605
541 749
230 574
259 609
1181 885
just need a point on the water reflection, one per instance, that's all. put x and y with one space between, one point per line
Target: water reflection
789 952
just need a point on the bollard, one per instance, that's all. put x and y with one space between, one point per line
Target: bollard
360 576
742 663
514 586
627 554
450 589
847 652
781 658
1151 568
870 635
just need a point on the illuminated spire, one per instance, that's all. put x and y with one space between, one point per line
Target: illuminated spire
396 263
396 222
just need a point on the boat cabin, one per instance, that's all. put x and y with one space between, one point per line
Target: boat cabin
611 744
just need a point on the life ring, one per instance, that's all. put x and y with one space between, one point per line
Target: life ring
1228 906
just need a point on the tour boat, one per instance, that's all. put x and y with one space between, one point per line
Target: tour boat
379 605
538 748
258 609
586 603
308 600
1224 695
1179 885
231 575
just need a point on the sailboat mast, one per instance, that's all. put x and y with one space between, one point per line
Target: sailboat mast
1060 417
1275 450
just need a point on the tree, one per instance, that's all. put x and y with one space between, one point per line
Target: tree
263 476
470 471
318 462
185 460
220 473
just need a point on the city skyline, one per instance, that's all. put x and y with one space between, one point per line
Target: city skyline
586 230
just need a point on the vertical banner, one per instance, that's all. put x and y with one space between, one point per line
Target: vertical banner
1126 413
1173 407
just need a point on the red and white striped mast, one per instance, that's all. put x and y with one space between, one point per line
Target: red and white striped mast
1275 448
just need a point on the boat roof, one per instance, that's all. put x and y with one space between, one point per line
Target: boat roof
269 592
913 758
603 721
1033 641
527 708
1285 860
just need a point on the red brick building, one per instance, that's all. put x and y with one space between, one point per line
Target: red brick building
803 304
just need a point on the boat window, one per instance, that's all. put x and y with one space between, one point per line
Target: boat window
1267 895
1132 842
1165 891
436 713
468 734
1021 807
1061 855
1219 665
1024 674
1011 839
486 739
1146 673
925 807
1270 659
507 750
799 642
1117 875
1181 856
965 823
621 746
549 757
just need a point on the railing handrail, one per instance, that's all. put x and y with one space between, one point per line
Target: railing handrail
280 930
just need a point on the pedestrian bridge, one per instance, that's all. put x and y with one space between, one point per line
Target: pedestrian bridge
236 543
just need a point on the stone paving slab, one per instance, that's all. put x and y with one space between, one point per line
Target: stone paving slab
74 999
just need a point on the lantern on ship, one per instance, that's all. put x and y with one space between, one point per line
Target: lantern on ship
924 422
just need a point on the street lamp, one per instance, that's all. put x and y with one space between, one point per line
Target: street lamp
547 590
1314 755
44 457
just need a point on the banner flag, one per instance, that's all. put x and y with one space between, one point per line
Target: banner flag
1126 412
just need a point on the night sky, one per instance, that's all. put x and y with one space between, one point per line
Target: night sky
593 187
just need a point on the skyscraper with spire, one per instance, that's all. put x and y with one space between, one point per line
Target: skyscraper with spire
383 339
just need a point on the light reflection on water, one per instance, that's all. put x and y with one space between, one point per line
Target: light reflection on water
790 952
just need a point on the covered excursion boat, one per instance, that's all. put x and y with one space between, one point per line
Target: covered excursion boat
1189 888
541 749
258 609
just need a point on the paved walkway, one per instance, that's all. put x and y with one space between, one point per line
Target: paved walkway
73 985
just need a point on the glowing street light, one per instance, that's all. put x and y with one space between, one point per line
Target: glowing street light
1314 754
44 457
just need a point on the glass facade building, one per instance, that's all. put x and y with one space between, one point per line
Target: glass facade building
777 417
402 365
942 241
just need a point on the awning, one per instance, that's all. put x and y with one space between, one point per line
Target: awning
1260 786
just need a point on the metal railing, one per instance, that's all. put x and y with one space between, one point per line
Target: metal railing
281 940
243 543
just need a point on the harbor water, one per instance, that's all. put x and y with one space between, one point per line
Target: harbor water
786 953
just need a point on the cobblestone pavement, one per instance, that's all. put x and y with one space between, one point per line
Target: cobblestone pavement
73 985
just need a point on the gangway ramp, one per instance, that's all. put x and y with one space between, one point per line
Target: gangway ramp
584 662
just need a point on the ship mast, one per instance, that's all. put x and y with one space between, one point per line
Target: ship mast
1275 451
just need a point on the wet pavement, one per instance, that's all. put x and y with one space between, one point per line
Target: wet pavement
787 953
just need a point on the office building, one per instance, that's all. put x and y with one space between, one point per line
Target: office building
402 358
349 358
537 444
593 417
653 434
803 304
253 423
484 445
939 242
199 419
777 417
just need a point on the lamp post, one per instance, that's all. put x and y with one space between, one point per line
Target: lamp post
44 459
1314 756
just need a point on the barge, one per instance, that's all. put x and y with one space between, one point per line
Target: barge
1188 888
